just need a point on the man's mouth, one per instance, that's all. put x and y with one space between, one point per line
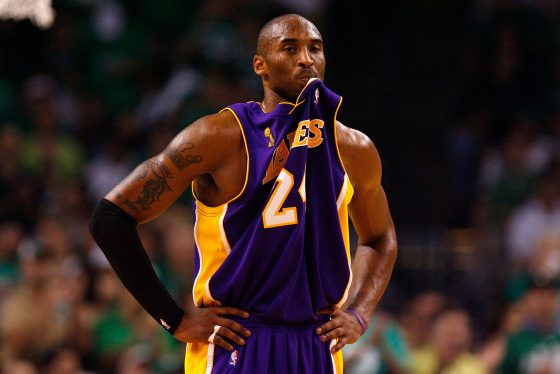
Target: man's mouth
304 77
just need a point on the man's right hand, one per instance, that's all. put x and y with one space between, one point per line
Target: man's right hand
198 325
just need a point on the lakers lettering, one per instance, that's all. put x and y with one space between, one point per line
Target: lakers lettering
308 133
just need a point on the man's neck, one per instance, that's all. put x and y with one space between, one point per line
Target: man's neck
271 100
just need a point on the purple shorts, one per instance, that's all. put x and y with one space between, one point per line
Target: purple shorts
278 349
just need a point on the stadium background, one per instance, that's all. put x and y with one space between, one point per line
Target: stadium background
462 99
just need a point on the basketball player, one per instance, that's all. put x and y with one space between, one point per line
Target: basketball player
273 183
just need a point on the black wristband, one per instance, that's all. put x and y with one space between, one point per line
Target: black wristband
115 233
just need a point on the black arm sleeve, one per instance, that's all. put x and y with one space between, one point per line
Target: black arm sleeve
115 233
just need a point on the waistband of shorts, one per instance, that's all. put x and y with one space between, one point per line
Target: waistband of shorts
255 321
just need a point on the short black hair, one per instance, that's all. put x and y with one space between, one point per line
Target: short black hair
264 33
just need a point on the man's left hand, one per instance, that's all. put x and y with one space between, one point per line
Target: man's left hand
343 326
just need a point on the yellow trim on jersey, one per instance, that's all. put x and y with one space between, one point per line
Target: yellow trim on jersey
302 187
336 135
199 358
303 89
287 102
283 103
213 248
344 198
295 106
337 359
210 236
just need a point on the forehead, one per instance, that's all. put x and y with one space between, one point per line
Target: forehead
295 28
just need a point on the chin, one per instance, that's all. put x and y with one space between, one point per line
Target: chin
291 92
300 86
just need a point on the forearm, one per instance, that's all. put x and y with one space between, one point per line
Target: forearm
371 269
115 233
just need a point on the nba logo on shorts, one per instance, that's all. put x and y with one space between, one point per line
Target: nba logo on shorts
233 358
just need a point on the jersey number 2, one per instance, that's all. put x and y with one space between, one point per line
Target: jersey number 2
274 215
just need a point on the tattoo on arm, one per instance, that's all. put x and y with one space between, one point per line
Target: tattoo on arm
128 203
131 205
182 161
155 175
154 187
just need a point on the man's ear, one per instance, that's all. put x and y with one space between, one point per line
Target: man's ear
259 66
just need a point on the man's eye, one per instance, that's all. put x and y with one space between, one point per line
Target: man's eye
290 49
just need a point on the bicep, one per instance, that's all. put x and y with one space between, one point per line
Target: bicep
369 209
370 215
157 182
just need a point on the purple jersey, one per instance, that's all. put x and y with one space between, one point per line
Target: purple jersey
280 249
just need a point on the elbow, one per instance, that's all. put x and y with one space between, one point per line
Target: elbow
107 219
386 245
393 246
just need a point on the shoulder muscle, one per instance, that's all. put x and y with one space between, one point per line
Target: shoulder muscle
213 137
360 157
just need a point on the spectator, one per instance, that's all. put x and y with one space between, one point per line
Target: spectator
382 349
19 367
18 192
493 350
507 177
112 332
38 315
48 152
536 219
448 348
11 234
63 361
536 348
417 315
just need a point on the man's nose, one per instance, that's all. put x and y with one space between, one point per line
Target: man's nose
305 59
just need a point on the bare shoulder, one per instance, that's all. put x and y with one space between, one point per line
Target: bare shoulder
215 127
217 136
221 121
359 156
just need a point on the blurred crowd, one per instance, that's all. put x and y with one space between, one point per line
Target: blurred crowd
81 104
114 80
482 295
